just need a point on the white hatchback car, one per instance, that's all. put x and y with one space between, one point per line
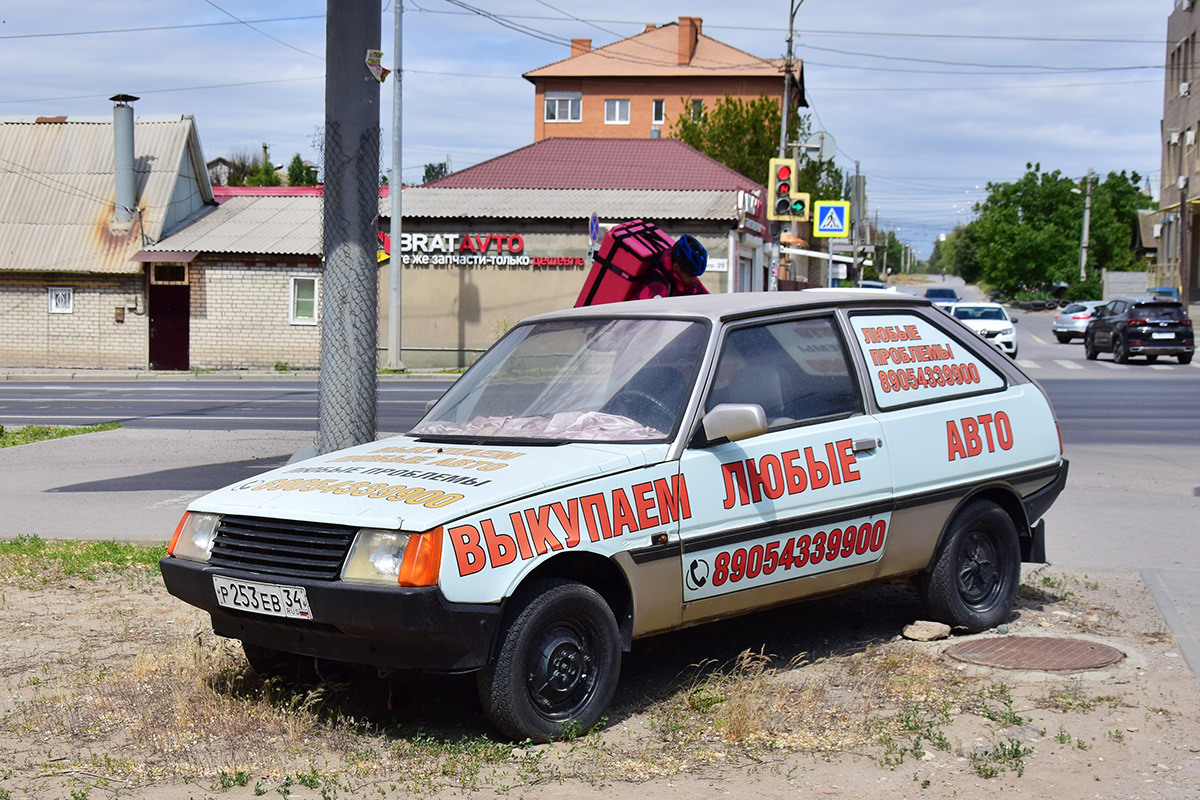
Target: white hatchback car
991 321
612 472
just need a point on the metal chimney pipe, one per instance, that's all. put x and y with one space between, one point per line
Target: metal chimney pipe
126 183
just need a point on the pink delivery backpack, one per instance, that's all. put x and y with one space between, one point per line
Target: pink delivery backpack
628 252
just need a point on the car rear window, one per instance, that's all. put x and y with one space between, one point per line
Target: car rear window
1157 311
1074 308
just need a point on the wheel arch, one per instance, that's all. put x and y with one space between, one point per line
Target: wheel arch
1004 496
595 571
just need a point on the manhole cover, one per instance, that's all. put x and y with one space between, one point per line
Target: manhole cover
1035 652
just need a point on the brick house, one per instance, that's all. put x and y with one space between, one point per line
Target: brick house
79 197
637 87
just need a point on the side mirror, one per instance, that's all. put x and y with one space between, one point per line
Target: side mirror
734 421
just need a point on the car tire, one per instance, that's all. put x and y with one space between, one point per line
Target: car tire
974 578
1121 351
1089 348
1151 359
1185 358
1063 338
557 662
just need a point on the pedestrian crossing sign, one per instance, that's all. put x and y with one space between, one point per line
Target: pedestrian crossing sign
832 218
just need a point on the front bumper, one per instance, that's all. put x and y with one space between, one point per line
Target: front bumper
382 626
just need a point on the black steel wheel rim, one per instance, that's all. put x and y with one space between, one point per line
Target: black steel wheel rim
980 580
562 670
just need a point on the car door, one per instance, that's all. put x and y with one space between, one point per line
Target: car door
952 423
802 508
1102 333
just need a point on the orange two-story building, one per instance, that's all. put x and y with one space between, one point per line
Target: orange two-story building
636 88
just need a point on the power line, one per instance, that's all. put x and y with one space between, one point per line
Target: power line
264 33
154 28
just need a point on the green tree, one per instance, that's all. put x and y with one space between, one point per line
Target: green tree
1027 233
264 174
744 136
435 171
299 173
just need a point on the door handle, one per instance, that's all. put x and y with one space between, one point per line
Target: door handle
862 445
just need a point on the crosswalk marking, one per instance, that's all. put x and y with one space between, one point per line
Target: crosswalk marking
1029 364
1068 364
1112 365
1161 366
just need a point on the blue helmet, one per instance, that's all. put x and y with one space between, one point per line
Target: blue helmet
690 255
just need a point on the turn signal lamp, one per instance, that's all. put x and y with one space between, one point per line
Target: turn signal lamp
422 559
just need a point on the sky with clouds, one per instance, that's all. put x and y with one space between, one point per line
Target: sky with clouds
932 98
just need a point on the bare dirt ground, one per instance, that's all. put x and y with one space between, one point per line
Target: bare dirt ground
111 688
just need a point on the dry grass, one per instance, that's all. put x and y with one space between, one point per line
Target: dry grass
847 704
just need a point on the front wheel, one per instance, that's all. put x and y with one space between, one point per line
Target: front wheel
1089 348
556 665
975 576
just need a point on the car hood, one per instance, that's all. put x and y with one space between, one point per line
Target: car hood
406 483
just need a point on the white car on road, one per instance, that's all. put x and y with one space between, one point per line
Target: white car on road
991 321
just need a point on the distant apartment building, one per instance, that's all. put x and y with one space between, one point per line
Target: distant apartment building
1180 190
636 88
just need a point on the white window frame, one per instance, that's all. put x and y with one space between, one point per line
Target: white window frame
659 112
292 298
612 112
571 101
67 293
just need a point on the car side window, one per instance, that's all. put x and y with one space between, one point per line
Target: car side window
796 370
911 360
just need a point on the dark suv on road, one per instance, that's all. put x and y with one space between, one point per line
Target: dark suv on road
1140 326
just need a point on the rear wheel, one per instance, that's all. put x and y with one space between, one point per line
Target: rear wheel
1151 359
1063 338
1089 348
974 578
556 665
1185 358
1121 351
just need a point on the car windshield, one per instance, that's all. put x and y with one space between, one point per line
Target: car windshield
608 379
979 312
1157 311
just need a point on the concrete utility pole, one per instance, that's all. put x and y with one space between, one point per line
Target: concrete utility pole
395 184
1087 221
346 396
787 80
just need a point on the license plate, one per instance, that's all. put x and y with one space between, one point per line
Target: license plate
273 599
1162 336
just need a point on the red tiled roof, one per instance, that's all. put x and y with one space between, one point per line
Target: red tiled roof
664 164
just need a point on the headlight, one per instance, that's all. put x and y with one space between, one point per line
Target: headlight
375 556
1007 331
379 556
194 537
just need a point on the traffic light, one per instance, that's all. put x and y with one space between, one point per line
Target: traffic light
783 202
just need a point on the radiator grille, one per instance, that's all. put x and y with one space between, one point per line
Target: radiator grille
281 547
